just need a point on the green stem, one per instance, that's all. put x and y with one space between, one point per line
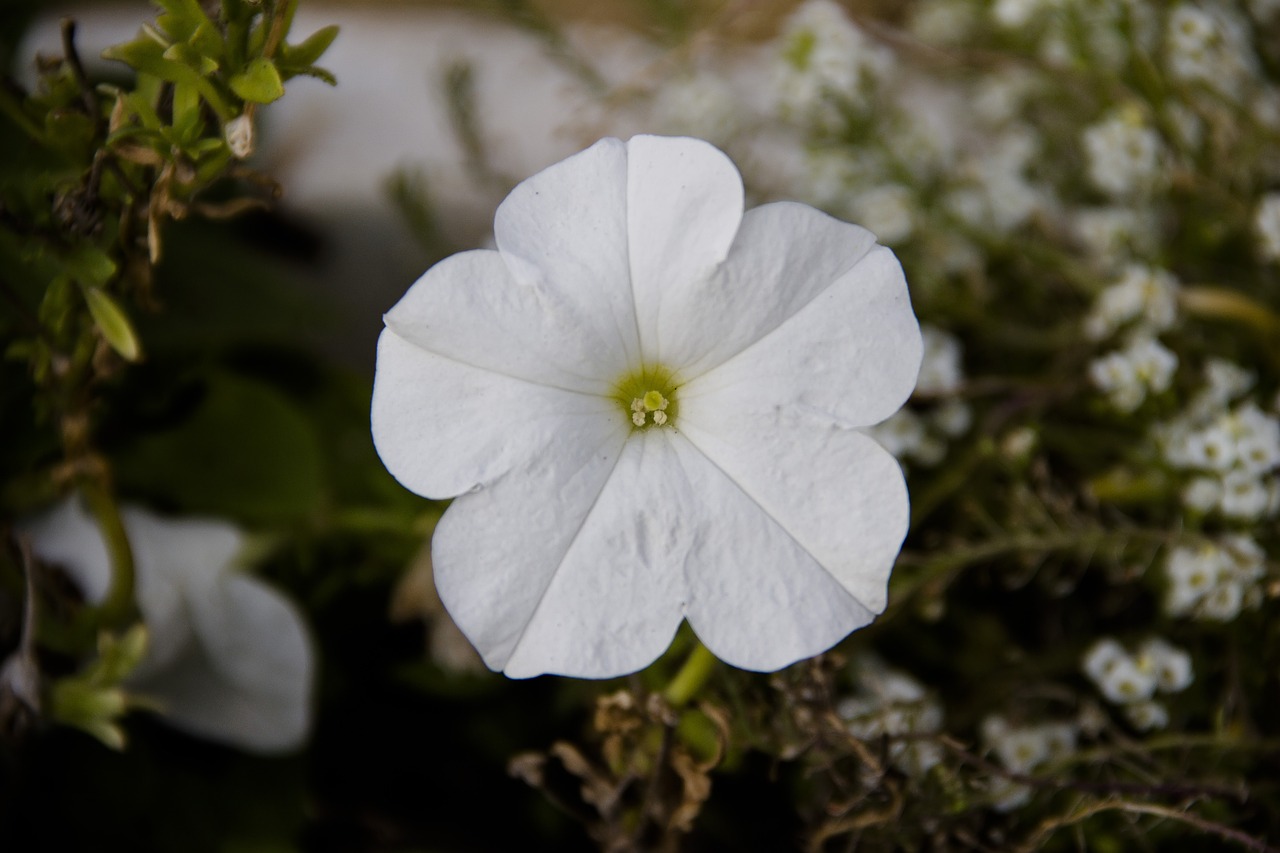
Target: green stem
689 680
117 609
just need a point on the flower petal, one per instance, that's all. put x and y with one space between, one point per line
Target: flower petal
68 537
851 354
469 308
783 257
443 427
834 491
247 680
172 557
568 568
563 233
759 596
684 205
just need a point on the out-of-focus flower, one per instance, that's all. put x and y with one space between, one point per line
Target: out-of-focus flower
1127 376
1148 296
648 406
1124 153
1266 223
1130 680
890 703
228 657
1023 749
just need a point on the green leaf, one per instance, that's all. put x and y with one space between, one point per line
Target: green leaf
260 82
309 71
112 322
309 50
245 452
190 57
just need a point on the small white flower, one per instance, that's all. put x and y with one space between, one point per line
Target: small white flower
1147 295
1244 495
1146 716
941 371
1266 223
578 541
886 211
228 657
1193 574
1172 665
1202 494
1102 657
1124 153
953 418
1129 375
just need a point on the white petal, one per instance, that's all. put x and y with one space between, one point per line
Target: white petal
67 536
834 491
568 568
684 205
759 597
852 354
171 558
469 308
563 232
443 428
783 257
246 679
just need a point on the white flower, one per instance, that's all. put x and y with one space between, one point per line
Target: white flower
1123 152
941 371
823 54
1128 375
1148 715
886 210
628 274
1266 222
1171 664
1142 293
228 657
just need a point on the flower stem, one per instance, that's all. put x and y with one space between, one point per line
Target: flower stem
689 680
117 609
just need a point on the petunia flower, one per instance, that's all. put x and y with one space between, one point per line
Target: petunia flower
228 658
647 405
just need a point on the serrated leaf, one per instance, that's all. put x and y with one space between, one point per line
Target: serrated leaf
112 322
311 48
259 82
309 71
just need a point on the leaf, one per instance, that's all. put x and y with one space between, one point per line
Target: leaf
112 322
259 82
310 49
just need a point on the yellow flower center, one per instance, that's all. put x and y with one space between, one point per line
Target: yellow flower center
648 396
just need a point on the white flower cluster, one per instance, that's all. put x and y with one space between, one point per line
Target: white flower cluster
1024 749
1124 152
1231 453
826 63
1132 680
890 703
1143 296
922 438
1129 375
1209 45
1215 582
